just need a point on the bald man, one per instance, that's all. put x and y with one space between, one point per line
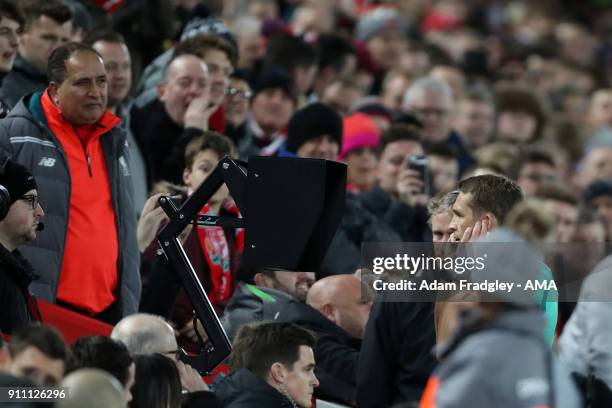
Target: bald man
340 299
336 312
92 388
181 111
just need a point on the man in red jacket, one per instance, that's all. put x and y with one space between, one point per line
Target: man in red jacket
87 257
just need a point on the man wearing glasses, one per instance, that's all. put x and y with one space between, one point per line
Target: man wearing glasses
17 227
236 105
144 333
432 102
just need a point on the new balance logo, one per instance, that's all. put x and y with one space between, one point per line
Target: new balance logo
124 166
47 162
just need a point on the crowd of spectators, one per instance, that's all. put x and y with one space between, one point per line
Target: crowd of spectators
106 106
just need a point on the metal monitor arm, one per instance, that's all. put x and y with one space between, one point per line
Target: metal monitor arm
233 174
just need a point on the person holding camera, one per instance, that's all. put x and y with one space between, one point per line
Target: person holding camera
20 214
400 195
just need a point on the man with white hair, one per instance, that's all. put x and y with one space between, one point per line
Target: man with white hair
431 101
147 334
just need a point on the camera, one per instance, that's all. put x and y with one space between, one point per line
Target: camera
420 163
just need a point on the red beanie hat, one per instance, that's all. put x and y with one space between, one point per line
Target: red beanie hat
359 131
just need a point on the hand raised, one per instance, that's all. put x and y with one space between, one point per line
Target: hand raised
199 112
410 188
150 219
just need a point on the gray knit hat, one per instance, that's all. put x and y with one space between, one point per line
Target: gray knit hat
378 21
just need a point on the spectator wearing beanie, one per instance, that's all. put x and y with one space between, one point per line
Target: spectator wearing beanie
272 105
383 30
382 116
314 132
598 196
17 226
360 139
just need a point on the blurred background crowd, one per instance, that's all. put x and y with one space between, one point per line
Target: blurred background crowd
453 117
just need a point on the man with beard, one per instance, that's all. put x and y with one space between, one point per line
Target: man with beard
260 301
17 226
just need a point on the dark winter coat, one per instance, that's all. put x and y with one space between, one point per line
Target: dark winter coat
23 79
396 359
242 389
336 352
410 223
358 225
162 142
15 277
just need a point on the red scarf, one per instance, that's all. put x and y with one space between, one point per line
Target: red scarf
217 254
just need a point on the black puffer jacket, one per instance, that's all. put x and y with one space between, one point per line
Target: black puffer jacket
15 277
358 225
336 352
242 389
23 79
162 141
410 223
396 360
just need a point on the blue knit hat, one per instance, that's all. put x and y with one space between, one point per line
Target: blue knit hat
598 188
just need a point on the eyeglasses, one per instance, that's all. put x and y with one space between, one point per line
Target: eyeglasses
32 199
238 93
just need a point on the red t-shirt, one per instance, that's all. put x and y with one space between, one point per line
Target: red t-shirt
88 278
